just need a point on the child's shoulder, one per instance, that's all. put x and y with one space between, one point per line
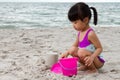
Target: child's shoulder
92 33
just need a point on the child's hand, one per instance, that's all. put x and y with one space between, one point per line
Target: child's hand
64 55
88 60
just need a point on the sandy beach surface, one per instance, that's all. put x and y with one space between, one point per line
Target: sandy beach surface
22 53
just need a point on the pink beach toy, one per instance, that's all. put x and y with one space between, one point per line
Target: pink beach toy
56 68
66 66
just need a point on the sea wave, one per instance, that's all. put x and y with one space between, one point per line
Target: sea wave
43 15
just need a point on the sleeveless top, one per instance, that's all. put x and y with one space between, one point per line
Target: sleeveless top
85 43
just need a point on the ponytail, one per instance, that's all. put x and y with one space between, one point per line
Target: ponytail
95 15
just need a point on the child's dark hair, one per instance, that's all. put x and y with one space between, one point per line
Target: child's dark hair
80 11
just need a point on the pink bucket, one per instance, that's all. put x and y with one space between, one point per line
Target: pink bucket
69 66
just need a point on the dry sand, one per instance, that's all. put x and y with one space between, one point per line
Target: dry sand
22 53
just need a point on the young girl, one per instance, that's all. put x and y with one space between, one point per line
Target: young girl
87 46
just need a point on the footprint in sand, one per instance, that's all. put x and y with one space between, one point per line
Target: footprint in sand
114 71
27 40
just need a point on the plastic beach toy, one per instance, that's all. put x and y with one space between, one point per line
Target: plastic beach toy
56 68
66 66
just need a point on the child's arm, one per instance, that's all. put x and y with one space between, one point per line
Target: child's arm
75 44
92 37
95 41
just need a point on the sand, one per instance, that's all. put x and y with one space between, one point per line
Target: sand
22 53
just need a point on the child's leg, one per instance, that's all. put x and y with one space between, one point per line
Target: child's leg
82 68
82 53
96 63
81 56
92 68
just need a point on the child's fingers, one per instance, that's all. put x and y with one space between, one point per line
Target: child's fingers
89 64
87 61
63 56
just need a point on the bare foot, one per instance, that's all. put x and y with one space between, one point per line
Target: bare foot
81 68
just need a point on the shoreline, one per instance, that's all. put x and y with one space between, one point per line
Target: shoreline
22 53
105 26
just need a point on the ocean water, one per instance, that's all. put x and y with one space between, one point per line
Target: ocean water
50 15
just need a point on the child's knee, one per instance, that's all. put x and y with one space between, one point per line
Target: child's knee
81 53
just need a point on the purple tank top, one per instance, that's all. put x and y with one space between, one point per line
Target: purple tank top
85 42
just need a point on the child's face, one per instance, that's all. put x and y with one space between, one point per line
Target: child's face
79 25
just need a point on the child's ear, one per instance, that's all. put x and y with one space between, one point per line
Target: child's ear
86 20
